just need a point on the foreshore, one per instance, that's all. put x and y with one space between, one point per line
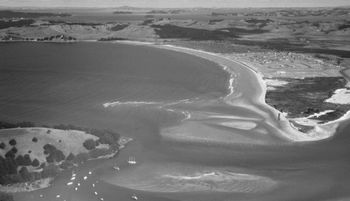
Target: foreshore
288 131
27 186
320 132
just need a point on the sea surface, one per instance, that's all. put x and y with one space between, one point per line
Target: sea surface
199 133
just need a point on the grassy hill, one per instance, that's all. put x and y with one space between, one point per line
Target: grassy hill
32 153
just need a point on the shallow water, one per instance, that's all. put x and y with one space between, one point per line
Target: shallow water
191 143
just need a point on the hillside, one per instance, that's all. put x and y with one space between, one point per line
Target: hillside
34 153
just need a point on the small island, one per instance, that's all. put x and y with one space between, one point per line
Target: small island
31 157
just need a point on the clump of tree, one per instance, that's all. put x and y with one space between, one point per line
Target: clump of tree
15 23
57 37
89 144
53 154
24 124
2 145
12 142
9 165
122 12
112 39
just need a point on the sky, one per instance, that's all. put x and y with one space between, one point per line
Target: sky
174 3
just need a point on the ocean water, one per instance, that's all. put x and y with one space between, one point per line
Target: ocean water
192 142
63 83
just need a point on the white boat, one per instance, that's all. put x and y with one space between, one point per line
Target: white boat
132 160
134 197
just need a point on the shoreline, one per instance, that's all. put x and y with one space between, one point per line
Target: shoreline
284 126
27 186
319 132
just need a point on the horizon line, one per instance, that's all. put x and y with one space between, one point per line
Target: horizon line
198 7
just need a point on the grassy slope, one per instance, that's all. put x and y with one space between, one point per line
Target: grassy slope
69 141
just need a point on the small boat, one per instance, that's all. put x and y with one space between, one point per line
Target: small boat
134 197
132 160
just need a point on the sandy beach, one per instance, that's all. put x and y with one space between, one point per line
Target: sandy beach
283 126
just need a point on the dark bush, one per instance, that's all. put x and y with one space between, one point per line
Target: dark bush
25 174
14 150
20 160
3 167
12 142
70 157
10 154
11 166
35 163
106 136
2 145
99 152
53 154
89 144
16 125
35 139
27 160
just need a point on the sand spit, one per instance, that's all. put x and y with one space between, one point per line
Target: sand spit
283 126
132 103
340 96
172 178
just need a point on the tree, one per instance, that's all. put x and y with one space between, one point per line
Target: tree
11 165
20 160
14 150
2 145
3 167
12 142
25 174
35 139
53 154
89 144
27 161
10 154
70 157
35 163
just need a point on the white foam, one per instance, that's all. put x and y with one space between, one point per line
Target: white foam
132 103
187 115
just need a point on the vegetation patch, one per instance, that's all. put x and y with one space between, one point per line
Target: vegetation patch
122 12
304 97
172 31
119 27
15 23
35 153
